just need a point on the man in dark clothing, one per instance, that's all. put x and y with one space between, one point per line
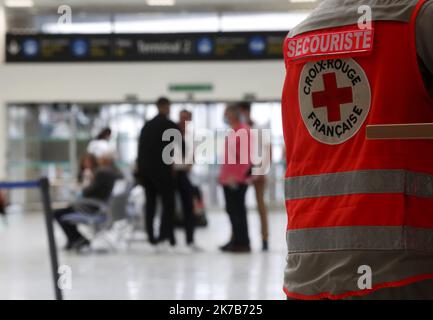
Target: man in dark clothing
100 189
155 175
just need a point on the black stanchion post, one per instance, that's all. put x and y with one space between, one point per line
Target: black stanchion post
46 202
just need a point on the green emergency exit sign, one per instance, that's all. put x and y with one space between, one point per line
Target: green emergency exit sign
191 87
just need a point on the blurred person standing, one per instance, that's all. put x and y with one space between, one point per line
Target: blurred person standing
184 186
234 176
185 116
199 210
3 204
259 181
156 176
100 146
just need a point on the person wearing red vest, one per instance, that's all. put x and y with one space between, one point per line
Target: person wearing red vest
360 212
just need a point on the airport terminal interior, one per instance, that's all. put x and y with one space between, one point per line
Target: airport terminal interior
71 69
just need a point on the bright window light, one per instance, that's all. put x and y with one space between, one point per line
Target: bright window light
19 3
261 22
167 23
301 1
81 27
161 2
182 23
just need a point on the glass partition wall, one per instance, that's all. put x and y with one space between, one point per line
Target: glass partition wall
49 140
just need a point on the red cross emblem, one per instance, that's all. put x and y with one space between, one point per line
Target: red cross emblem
332 97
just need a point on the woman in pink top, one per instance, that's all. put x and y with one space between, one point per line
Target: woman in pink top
234 177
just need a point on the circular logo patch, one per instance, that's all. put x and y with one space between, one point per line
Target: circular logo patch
334 98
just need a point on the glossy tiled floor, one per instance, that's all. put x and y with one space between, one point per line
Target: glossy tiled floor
141 273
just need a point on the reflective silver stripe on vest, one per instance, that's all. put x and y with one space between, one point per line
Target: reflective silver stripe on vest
359 238
359 182
336 13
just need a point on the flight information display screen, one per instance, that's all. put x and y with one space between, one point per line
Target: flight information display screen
144 47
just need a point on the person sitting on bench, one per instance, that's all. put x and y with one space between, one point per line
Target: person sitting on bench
99 189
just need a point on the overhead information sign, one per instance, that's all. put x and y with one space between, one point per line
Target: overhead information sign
144 47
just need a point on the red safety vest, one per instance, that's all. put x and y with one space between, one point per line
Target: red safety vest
344 192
